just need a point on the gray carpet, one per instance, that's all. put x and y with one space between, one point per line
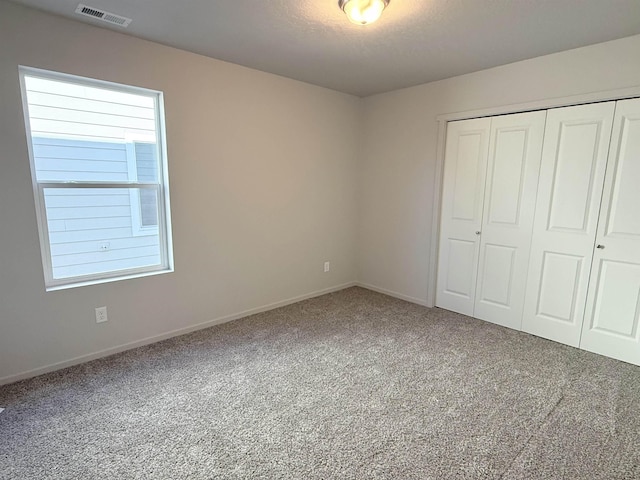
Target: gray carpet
352 385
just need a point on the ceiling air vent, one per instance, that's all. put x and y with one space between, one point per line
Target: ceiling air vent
98 14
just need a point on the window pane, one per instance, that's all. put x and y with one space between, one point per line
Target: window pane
147 171
83 133
148 208
146 162
98 230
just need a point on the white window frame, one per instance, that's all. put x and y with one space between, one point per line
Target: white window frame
162 187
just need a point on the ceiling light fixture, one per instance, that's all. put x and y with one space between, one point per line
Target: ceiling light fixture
363 12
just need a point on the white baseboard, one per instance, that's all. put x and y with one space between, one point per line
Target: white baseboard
163 336
391 293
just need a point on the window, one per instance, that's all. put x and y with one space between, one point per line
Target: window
99 175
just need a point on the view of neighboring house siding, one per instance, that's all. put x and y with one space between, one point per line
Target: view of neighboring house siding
90 133
94 229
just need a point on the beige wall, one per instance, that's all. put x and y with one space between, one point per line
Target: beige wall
262 173
398 161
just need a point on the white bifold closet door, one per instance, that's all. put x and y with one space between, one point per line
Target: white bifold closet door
572 173
489 190
465 168
515 148
612 319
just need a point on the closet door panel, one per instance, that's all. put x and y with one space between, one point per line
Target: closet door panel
573 185
560 279
572 173
460 268
612 319
462 201
496 277
510 197
616 302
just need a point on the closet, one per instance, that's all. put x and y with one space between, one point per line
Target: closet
490 180
574 160
538 226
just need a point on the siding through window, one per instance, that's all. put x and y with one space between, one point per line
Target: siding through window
81 132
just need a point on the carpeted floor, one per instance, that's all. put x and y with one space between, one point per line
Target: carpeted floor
351 385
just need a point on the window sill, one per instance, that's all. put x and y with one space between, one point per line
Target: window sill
97 281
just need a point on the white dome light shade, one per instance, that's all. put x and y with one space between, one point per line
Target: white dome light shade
363 12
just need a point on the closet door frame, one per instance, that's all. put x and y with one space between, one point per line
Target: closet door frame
443 119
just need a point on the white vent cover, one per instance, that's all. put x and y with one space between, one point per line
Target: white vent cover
98 14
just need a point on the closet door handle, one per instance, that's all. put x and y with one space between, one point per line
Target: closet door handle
601 247
478 232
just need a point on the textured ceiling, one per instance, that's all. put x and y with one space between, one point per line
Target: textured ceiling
415 41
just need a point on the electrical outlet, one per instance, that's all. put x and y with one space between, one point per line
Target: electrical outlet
327 267
101 314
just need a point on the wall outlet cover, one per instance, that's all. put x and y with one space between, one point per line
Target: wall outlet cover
101 314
